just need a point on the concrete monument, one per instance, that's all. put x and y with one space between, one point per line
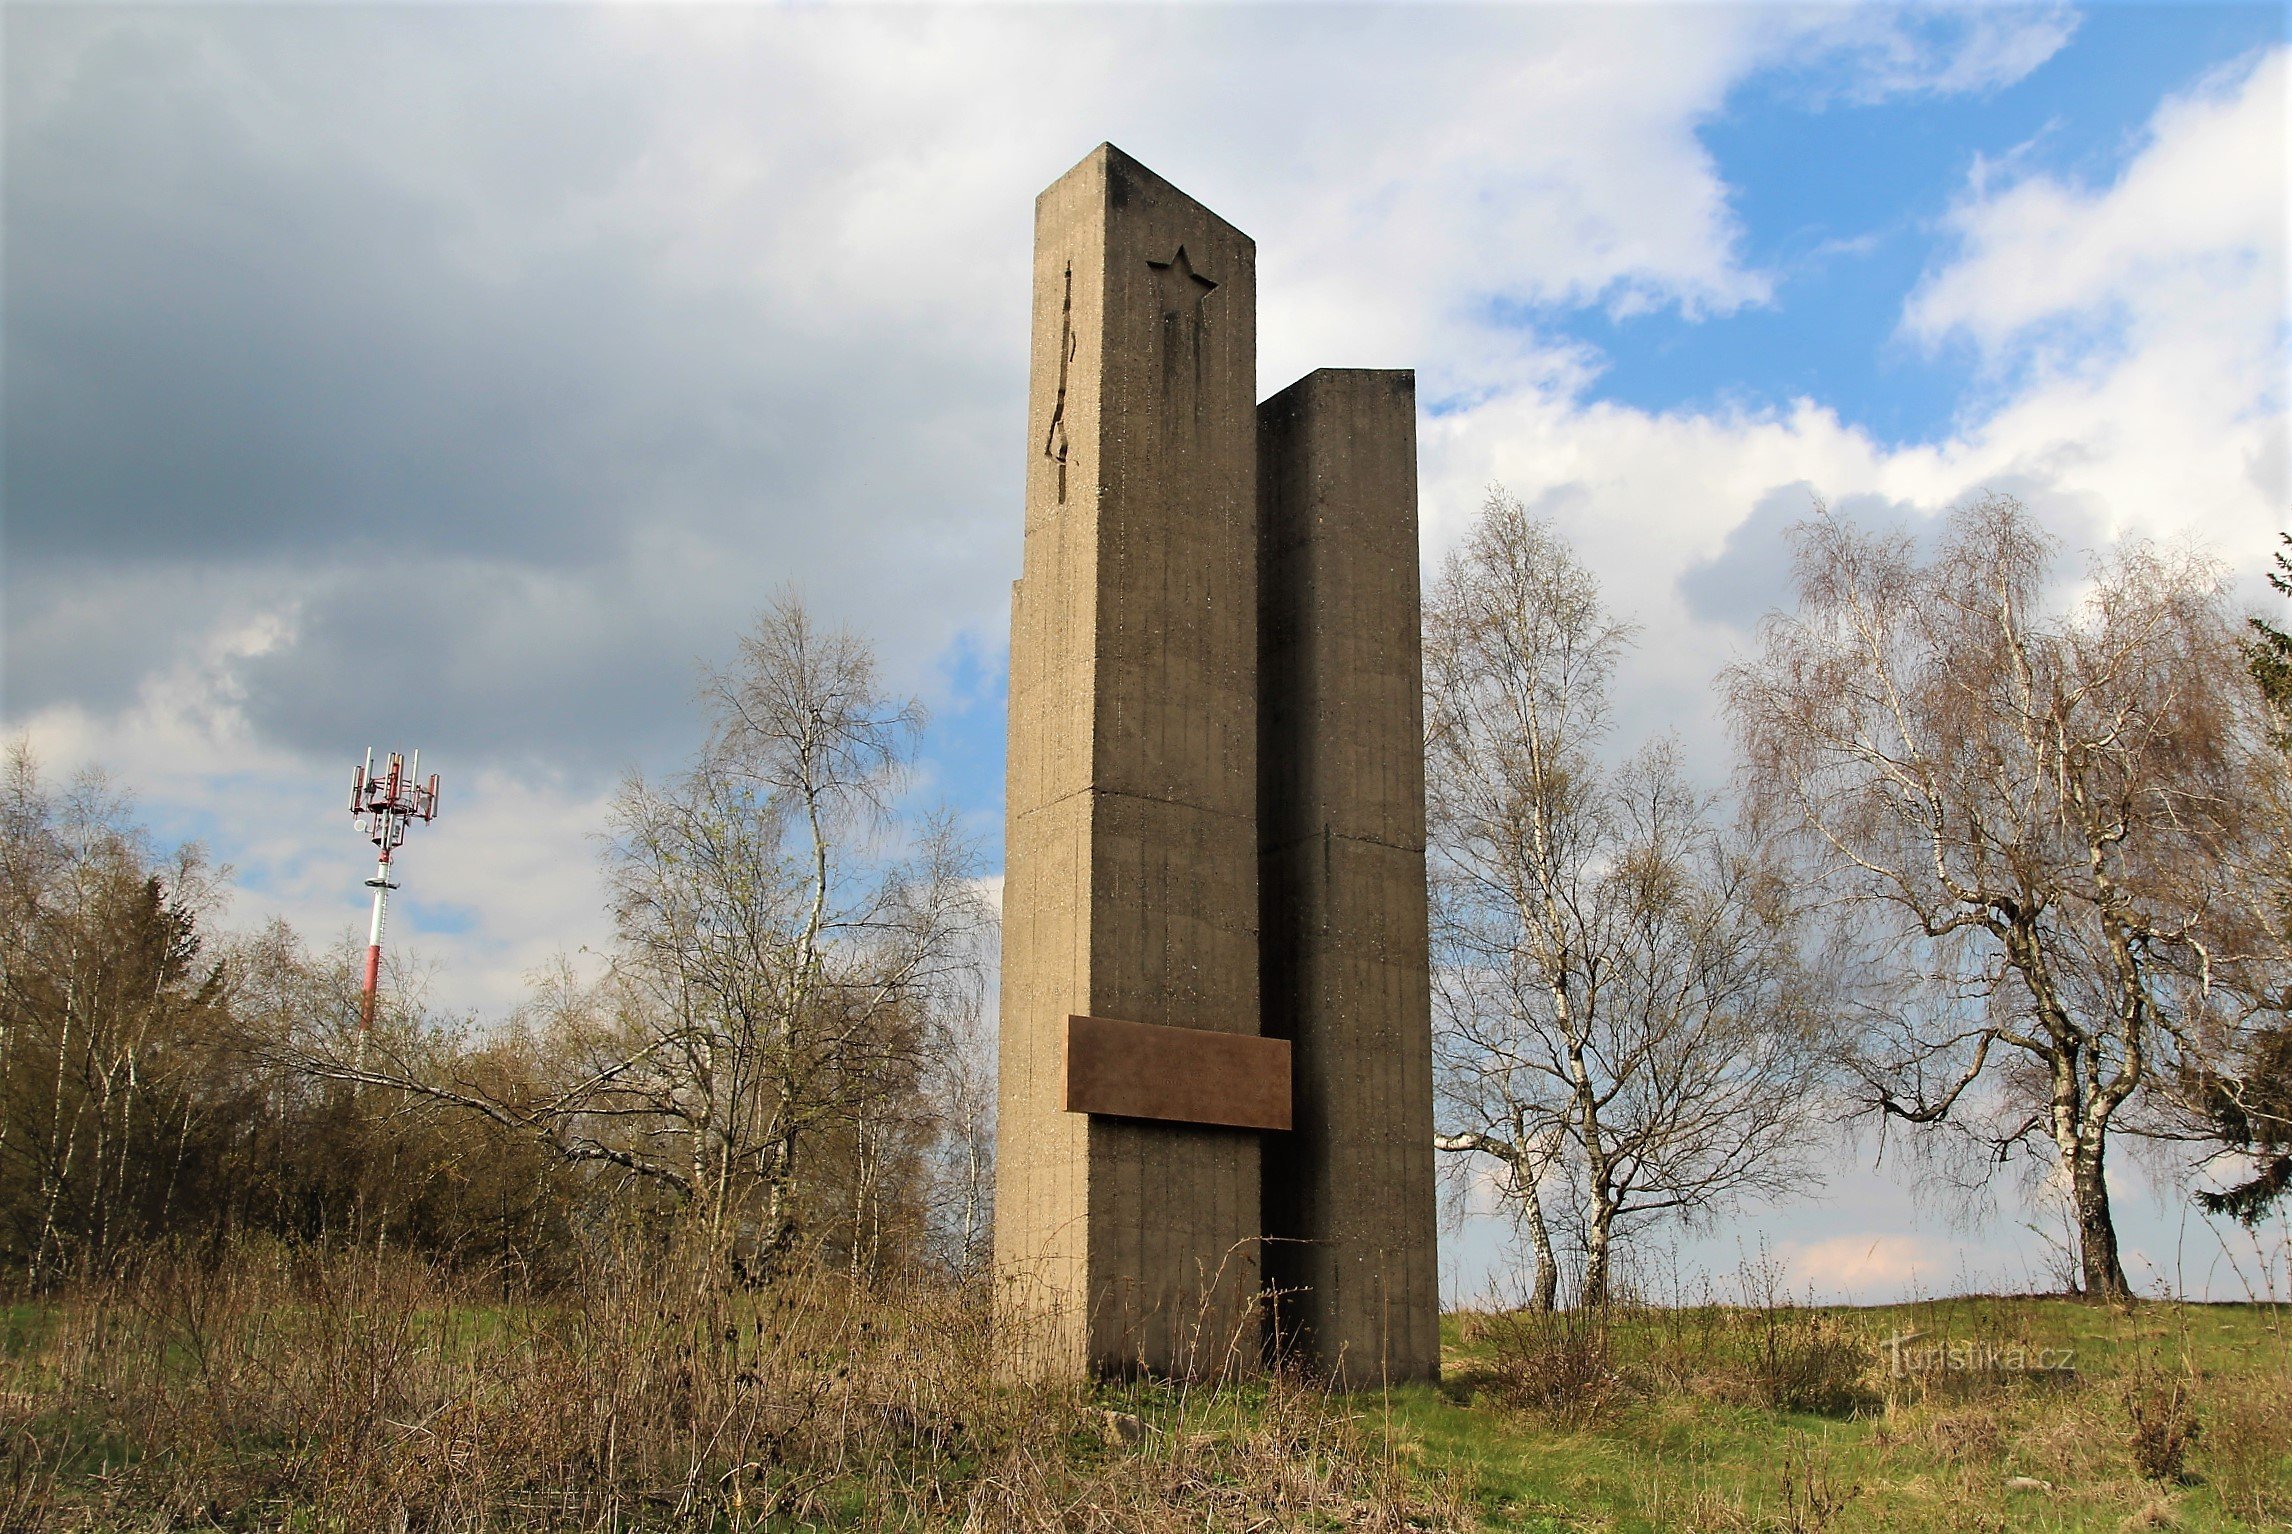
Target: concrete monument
1215 1022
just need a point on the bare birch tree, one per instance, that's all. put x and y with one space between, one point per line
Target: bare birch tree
109 1011
961 1173
2037 813
788 959
1618 994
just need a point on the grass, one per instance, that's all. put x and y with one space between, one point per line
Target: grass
354 1390
1694 1438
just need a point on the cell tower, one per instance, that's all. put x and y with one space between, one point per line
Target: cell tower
385 806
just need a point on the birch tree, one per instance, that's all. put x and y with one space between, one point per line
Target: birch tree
109 1011
1621 1015
2037 813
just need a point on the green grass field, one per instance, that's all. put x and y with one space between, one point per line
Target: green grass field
1717 1419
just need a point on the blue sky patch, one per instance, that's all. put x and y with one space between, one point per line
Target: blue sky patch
1844 205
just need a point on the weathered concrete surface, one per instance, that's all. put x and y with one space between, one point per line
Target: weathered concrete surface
1349 1196
1132 871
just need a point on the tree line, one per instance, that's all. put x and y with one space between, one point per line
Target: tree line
783 1055
2002 868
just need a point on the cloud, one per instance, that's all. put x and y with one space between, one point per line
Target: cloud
490 366
502 882
2135 331
2187 232
1946 50
1750 576
621 318
1864 1265
2138 329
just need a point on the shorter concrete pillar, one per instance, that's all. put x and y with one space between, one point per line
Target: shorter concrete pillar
1349 1196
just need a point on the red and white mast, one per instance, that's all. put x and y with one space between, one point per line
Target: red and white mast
385 806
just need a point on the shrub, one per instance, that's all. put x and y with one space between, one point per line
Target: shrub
2162 1420
1558 1364
1806 1361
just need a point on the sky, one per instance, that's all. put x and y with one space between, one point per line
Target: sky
467 376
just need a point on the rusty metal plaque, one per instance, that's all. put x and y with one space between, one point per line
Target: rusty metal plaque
1179 1075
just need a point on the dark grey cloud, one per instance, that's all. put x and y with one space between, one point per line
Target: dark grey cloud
1751 574
383 325
227 335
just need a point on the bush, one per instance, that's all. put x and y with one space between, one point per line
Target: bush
2162 1420
1805 1361
1558 1364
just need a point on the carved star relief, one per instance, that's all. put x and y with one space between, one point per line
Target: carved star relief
1182 288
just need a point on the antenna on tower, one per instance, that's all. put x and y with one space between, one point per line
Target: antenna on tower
385 804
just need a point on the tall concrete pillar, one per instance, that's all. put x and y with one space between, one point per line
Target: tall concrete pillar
1350 1215
1125 1242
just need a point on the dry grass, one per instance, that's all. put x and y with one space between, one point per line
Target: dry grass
1579 1366
360 1390
331 1390
2247 1448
